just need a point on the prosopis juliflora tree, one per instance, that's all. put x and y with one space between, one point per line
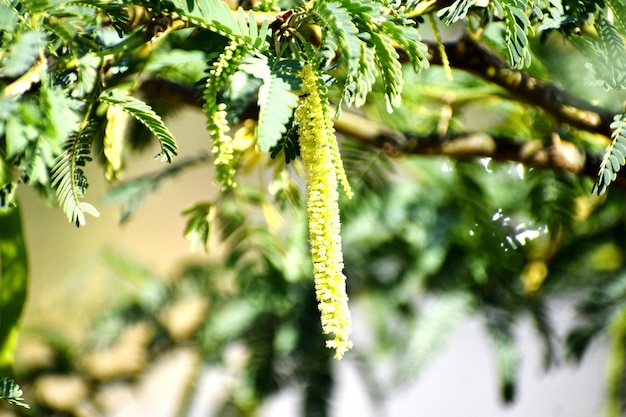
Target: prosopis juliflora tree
275 81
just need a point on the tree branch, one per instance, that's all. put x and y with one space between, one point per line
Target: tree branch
471 56
552 154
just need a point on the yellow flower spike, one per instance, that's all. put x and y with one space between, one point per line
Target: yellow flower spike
222 148
319 158
338 162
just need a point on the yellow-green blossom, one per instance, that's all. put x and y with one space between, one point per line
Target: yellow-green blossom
222 149
223 68
317 150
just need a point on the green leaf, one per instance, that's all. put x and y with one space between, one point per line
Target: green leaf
22 54
215 15
517 26
612 51
619 14
456 11
11 392
258 35
13 283
116 12
387 60
340 30
361 79
198 225
410 41
359 85
276 97
146 116
614 156
553 199
68 179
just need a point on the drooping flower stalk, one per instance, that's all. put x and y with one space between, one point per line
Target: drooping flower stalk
319 153
222 149
223 68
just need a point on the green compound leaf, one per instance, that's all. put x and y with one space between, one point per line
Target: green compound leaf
11 392
276 97
215 15
619 14
517 26
146 116
68 178
359 86
360 81
614 156
198 225
456 11
218 13
340 31
22 54
613 51
410 41
387 60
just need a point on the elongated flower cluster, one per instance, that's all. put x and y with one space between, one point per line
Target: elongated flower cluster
319 152
222 150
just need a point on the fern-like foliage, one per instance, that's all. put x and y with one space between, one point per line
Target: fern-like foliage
288 144
456 11
614 156
146 116
117 11
619 14
68 178
611 69
517 26
359 85
215 15
362 33
340 35
406 35
276 97
198 225
11 392
387 61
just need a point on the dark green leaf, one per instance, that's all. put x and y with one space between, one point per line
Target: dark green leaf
68 179
277 98
145 115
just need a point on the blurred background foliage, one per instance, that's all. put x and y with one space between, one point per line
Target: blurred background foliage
497 241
